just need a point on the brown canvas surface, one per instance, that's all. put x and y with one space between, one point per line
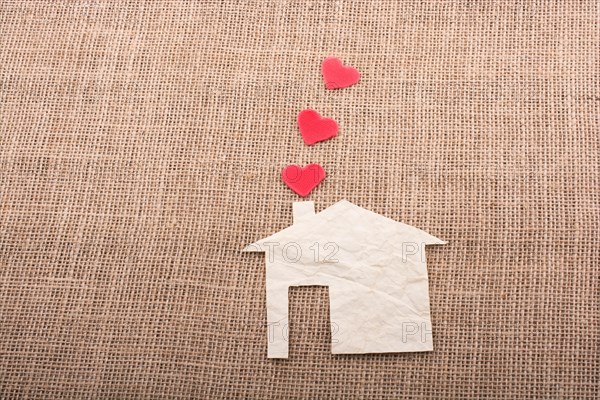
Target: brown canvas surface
140 150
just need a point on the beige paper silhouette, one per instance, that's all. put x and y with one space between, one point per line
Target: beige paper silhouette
376 273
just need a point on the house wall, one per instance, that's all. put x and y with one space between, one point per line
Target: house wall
379 299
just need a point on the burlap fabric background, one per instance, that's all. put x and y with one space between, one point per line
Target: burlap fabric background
140 149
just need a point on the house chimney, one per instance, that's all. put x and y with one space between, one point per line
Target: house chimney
302 209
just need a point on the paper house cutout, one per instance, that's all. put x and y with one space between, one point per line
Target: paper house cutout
374 267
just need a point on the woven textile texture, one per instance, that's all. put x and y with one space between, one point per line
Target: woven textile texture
140 149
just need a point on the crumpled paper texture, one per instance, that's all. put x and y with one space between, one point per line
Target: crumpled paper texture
375 270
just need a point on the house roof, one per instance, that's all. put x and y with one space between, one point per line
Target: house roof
343 217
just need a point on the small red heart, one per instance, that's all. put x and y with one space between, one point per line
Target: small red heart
315 128
303 180
336 75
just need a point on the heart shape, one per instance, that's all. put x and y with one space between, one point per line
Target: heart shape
303 180
336 75
315 128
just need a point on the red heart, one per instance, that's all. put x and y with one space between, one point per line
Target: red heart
303 180
315 128
336 75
